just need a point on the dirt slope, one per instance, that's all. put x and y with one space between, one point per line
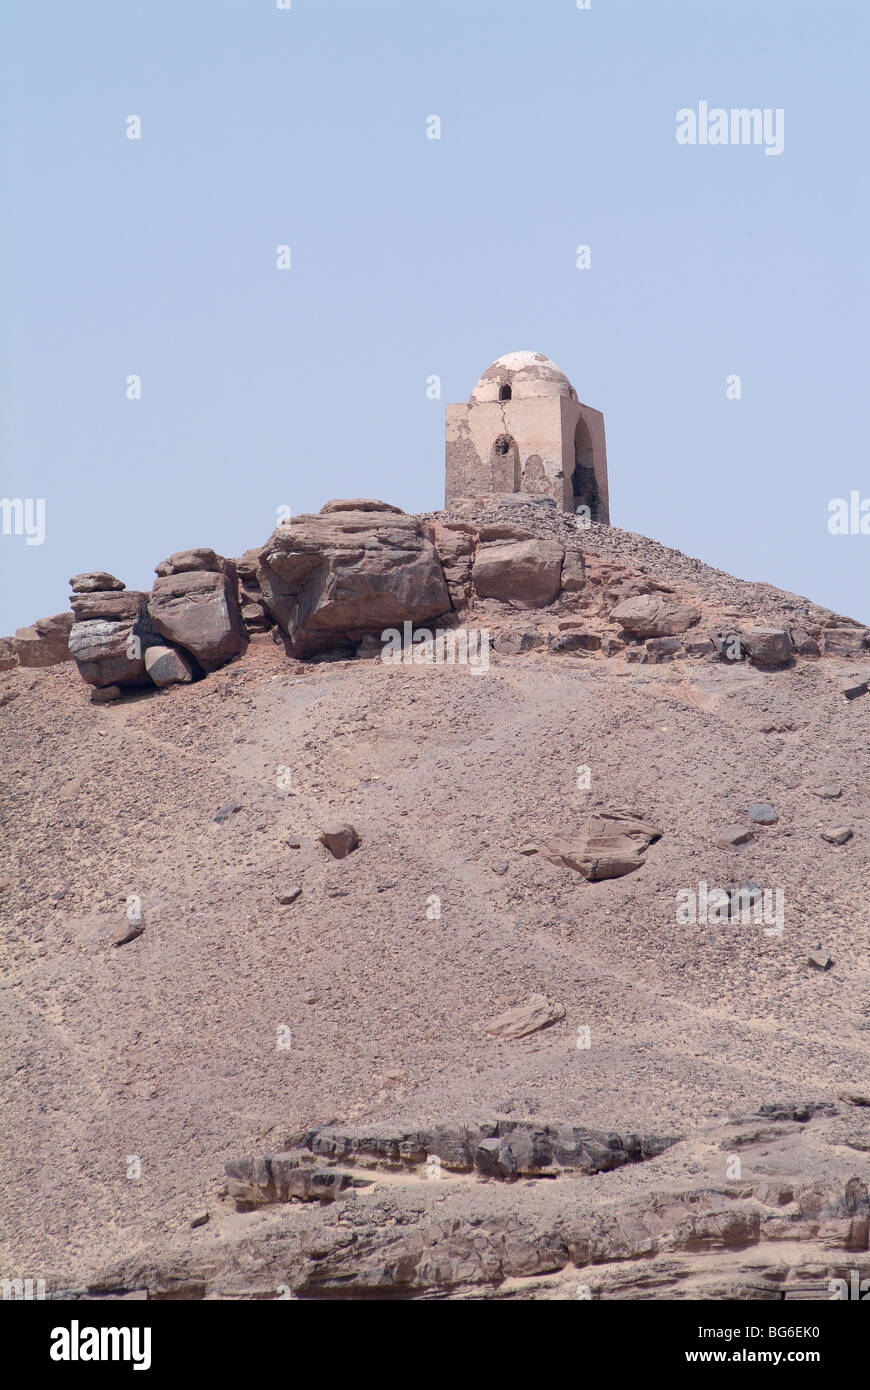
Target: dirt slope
164 1049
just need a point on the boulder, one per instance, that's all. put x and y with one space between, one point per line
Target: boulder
524 572
517 640
331 579
340 839
105 649
762 813
704 647
102 653
844 641
168 666
653 615
574 643
804 643
199 610
255 616
608 845
200 559
46 643
591 640
114 605
660 649
768 646
854 685
94 580
536 1013
854 1097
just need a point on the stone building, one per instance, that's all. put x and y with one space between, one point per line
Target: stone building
524 430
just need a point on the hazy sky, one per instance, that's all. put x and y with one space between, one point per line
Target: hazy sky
413 257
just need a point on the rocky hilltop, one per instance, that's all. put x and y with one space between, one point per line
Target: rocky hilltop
531 967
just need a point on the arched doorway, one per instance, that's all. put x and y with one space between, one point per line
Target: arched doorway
505 464
584 488
535 479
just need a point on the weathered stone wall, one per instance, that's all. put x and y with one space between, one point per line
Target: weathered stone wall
535 425
543 429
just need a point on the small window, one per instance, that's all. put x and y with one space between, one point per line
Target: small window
505 393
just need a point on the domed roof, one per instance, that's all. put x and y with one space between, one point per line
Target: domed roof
527 374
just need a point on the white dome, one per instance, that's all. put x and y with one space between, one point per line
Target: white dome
527 374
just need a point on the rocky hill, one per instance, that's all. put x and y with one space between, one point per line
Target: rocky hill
532 969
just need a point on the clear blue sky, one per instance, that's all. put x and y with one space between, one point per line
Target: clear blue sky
413 257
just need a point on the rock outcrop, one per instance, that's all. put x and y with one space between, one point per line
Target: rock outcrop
454 543
794 1227
46 643
353 570
500 1149
110 632
334 583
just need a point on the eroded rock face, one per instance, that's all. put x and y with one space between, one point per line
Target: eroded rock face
46 643
502 1149
331 579
652 615
255 613
455 543
359 504
261 1179
799 1218
199 611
